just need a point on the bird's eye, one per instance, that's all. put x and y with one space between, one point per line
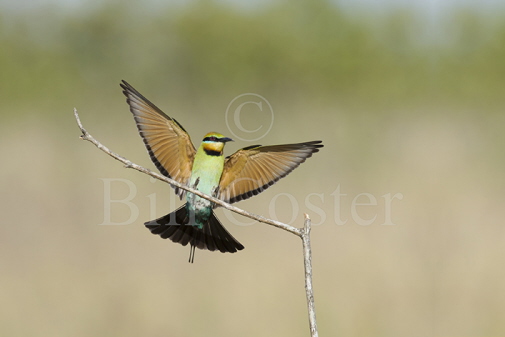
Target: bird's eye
212 139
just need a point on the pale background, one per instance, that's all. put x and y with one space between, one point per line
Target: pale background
407 97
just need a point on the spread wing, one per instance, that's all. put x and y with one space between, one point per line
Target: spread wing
253 169
167 142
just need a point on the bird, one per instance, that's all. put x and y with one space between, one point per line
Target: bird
237 177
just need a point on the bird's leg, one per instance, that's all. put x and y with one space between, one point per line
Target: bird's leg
195 185
192 200
215 191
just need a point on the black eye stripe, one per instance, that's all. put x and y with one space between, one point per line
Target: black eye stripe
210 139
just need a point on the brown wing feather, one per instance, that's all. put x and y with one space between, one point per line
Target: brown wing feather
253 169
168 144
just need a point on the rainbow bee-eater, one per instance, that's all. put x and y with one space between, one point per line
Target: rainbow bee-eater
240 176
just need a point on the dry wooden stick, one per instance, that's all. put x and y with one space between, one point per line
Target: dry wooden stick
303 233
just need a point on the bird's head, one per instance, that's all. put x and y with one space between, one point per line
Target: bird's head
214 142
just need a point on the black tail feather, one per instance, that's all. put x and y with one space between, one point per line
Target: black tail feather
213 236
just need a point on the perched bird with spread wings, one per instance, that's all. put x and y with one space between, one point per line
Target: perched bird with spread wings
240 176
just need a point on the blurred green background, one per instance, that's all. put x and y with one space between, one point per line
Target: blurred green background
407 102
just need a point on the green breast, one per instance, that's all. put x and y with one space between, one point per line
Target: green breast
207 171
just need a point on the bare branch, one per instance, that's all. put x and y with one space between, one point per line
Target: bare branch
303 233
128 164
309 292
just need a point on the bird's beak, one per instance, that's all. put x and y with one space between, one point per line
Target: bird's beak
226 139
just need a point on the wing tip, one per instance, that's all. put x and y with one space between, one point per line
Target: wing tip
305 150
127 88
